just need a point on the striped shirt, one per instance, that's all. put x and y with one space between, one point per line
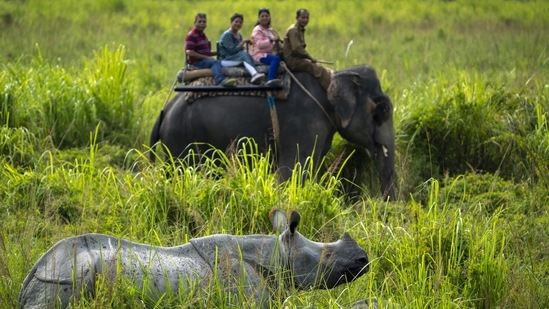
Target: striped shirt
197 41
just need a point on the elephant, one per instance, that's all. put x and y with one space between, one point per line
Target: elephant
259 264
354 105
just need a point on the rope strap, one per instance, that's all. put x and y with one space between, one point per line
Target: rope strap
283 64
271 101
274 119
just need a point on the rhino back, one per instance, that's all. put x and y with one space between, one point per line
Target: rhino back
72 264
238 259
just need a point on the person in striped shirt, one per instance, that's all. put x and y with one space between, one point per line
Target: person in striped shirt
200 54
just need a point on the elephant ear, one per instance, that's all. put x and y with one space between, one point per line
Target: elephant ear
343 94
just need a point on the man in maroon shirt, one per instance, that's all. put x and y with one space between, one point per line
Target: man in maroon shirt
198 48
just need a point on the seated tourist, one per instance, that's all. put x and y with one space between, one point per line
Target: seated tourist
231 49
265 42
198 50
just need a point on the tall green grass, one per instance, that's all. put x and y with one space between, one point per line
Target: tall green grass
473 124
442 254
65 105
79 92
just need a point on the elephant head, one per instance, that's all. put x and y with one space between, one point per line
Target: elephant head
364 116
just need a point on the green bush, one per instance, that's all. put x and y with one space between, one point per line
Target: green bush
469 125
67 106
19 147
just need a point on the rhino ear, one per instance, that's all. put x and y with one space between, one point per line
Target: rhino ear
346 237
278 220
295 217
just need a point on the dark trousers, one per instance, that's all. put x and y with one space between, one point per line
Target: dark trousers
274 62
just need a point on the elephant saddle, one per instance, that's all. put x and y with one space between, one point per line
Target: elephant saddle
203 77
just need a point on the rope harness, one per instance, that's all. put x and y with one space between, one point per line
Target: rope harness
283 64
274 119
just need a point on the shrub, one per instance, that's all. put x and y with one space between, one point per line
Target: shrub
65 107
463 126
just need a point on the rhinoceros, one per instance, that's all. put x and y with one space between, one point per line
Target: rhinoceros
257 263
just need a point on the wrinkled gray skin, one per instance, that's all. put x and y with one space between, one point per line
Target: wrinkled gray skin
355 104
71 265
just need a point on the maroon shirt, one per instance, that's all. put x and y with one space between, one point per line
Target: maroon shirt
199 43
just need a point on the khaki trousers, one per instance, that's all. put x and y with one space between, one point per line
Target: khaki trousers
321 73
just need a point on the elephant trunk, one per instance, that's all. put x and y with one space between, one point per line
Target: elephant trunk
385 151
387 179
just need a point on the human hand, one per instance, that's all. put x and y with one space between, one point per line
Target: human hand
243 42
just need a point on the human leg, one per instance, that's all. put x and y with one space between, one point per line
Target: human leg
215 66
323 75
250 68
230 63
273 62
257 78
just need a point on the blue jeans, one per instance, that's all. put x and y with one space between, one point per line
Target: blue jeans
274 62
215 66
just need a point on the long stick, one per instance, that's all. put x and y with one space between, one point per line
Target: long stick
325 62
274 123
170 93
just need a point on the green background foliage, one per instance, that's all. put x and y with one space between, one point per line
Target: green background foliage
81 83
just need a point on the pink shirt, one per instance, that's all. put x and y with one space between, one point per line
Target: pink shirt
262 45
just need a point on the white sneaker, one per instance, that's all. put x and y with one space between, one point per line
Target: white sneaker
258 78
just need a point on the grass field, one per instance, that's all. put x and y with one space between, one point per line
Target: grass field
81 83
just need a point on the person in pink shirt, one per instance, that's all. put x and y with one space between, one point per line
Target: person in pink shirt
265 46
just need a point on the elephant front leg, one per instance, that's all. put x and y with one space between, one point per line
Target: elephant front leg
302 167
286 162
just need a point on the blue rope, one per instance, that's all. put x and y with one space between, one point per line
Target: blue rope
271 101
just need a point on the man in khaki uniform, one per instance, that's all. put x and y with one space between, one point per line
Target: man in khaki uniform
295 55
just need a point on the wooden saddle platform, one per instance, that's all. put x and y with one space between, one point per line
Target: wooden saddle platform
197 83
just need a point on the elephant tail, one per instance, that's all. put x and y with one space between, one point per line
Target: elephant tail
155 135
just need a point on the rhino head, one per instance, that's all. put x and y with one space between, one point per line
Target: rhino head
315 264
